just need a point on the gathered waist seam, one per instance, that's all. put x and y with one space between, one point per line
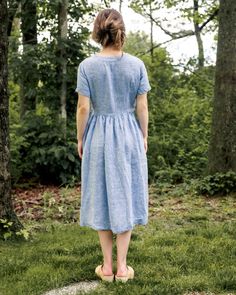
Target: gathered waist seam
131 110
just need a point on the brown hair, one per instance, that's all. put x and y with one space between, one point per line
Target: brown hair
109 28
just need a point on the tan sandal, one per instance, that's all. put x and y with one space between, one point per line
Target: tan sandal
99 273
130 275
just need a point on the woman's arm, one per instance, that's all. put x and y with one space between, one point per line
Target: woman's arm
82 115
142 114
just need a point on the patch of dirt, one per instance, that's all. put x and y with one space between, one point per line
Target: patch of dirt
29 203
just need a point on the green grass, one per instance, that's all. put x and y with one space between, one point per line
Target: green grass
188 245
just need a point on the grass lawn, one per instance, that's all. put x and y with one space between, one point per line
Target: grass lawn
189 245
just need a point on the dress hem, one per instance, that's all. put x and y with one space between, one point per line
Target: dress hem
131 227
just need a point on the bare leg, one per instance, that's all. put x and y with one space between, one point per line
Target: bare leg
122 242
105 237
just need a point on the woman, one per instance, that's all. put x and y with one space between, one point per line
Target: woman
112 143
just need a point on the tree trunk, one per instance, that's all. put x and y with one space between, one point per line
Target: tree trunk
29 65
120 5
222 148
63 31
151 30
197 31
6 206
13 6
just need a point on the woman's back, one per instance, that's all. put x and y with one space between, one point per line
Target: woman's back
112 82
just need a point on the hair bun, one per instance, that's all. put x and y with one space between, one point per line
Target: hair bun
105 30
109 28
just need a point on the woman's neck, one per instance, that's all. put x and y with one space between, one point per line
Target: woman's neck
109 51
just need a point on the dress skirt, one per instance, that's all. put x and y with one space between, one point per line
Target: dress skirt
114 173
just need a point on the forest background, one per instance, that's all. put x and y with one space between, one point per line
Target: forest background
42 80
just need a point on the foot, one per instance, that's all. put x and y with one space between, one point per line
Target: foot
100 274
122 271
107 271
121 276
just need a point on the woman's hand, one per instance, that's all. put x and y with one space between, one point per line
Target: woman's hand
80 148
145 144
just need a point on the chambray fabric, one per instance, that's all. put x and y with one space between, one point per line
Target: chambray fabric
114 170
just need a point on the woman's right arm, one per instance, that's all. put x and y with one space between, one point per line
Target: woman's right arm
142 114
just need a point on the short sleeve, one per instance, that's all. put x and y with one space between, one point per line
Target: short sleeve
82 82
144 85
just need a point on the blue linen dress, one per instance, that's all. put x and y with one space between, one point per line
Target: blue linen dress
114 170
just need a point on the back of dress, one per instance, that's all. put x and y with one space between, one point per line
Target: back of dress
114 176
112 83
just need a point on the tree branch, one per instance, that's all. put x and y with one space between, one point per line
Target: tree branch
175 35
183 33
211 17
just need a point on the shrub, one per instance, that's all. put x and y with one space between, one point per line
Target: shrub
217 184
39 150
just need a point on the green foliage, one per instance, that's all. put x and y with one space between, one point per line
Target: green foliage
40 150
179 123
45 83
217 184
134 41
65 208
6 226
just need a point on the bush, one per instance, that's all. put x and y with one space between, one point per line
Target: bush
40 152
179 125
217 184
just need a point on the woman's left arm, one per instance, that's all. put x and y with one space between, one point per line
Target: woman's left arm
82 115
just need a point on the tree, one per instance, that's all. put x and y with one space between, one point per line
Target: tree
29 65
6 206
62 32
146 8
151 30
13 6
222 147
197 31
120 5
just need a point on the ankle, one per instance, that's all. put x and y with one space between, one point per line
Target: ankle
122 272
122 267
107 268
